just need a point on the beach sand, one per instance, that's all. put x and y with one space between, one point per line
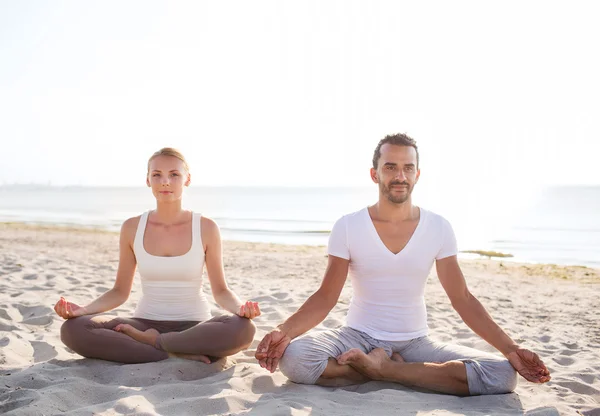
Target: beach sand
551 309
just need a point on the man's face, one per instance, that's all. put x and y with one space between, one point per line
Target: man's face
396 172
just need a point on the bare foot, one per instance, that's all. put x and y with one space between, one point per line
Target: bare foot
194 357
371 365
397 357
147 337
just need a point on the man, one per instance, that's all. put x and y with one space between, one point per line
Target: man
389 249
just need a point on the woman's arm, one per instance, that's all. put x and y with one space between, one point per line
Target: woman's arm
223 295
124 281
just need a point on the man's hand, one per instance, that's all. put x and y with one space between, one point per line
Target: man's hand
529 365
68 310
271 349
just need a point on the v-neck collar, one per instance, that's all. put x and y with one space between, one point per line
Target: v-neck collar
382 245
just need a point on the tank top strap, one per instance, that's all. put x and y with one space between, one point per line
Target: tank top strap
141 228
196 229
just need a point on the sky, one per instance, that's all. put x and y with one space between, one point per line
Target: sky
499 95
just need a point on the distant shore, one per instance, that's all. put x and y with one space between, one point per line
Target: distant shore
466 255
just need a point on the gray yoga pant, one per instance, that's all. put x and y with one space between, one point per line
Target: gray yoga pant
93 337
306 357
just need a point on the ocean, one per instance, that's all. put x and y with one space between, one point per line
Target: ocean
558 225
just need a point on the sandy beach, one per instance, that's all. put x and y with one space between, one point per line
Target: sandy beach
551 309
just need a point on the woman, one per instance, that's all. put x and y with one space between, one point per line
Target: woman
170 246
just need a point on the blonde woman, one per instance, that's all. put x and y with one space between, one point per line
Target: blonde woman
170 246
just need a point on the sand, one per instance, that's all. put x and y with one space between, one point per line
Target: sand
550 309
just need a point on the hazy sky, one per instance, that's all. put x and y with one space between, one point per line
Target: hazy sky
498 95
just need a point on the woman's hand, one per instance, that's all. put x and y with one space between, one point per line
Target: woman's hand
68 310
249 310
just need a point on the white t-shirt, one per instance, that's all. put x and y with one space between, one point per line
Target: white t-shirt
388 301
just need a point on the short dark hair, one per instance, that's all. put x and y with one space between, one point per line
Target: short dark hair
398 139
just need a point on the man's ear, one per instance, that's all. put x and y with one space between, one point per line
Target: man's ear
374 177
418 175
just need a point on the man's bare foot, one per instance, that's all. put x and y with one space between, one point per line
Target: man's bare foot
194 357
371 364
147 337
397 357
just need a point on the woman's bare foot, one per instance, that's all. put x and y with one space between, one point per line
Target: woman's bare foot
194 357
147 337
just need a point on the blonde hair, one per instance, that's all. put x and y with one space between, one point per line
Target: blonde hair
169 151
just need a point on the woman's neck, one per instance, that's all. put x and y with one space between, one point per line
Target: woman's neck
168 214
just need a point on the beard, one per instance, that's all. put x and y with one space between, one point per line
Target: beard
396 199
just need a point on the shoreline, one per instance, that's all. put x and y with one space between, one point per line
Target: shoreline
463 255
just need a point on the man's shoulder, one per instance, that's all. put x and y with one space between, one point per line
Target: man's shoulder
353 216
433 217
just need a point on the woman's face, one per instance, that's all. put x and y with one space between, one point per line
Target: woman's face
167 177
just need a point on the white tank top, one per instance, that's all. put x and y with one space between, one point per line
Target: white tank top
171 286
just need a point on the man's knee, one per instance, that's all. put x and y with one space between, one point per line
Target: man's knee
296 365
491 377
509 378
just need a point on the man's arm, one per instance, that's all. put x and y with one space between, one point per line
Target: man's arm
310 314
469 308
472 312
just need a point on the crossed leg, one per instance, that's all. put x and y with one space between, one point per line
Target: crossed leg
311 359
440 367
141 340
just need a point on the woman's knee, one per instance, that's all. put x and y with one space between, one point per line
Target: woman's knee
243 330
247 331
73 331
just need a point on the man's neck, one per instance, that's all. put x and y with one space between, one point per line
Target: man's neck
385 210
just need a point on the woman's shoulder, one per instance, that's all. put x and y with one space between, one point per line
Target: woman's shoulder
208 224
130 225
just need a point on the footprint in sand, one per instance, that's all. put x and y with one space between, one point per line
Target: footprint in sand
564 360
545 338
32 311
587 378
280 295
7 328
39 320
42 351
578 387
30 277
4 315
17 398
